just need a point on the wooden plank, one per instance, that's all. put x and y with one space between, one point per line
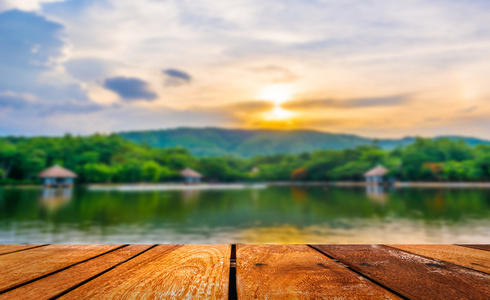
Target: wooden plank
5 249
298 272
165 272
411 275
480 247
53 285
467 257
21 267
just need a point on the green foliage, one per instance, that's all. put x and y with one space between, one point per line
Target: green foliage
110 158
98 172
151 171
352 170
465 170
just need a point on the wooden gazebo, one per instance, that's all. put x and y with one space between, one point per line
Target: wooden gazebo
57 176
376 175
190 176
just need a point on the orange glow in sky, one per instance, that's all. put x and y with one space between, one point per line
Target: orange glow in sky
277 94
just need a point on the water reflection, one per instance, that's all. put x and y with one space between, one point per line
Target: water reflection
270 215
190 196
52 199
376 193
299 194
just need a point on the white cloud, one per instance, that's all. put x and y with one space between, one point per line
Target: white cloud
29 5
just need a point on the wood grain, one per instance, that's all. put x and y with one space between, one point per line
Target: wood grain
164 272
53 285
298 272
480 247
4 249
20 267
411 275
467 257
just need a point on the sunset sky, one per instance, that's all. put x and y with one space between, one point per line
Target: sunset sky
373 68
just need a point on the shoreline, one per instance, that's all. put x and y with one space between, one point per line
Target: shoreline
175 187
397 184
237 186
260 185
443 184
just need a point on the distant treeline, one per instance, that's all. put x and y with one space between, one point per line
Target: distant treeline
111 158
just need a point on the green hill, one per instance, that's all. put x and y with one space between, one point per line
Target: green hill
248 143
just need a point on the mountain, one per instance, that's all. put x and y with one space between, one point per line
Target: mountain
247 143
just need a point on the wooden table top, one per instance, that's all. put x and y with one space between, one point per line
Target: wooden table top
245 271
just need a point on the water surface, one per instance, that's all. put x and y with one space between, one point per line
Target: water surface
270 215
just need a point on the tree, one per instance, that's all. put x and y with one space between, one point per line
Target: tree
299 174
167 174
373 156
8 154
98 172
103 158
412 163
32 163
216 168
151 171
435 170
353 170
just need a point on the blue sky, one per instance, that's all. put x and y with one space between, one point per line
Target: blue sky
375 68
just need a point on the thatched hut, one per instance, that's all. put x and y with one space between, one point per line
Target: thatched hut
57 176
376 175
190 176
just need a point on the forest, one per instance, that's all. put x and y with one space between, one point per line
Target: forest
113 159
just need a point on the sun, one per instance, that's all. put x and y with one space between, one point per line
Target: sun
278 94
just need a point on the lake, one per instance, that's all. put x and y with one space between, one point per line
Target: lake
276 214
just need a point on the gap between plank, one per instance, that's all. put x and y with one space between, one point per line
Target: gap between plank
360 274
33 247
99 274
60 270
232 288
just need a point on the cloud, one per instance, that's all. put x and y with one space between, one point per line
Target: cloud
251 106
28 41
144 119
380 101
70 108
87 69
130 88
273 74
308 104
176 77
29 5
23 114
244 107
31 50
13 101
237 108
469 109
236 113
30 106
